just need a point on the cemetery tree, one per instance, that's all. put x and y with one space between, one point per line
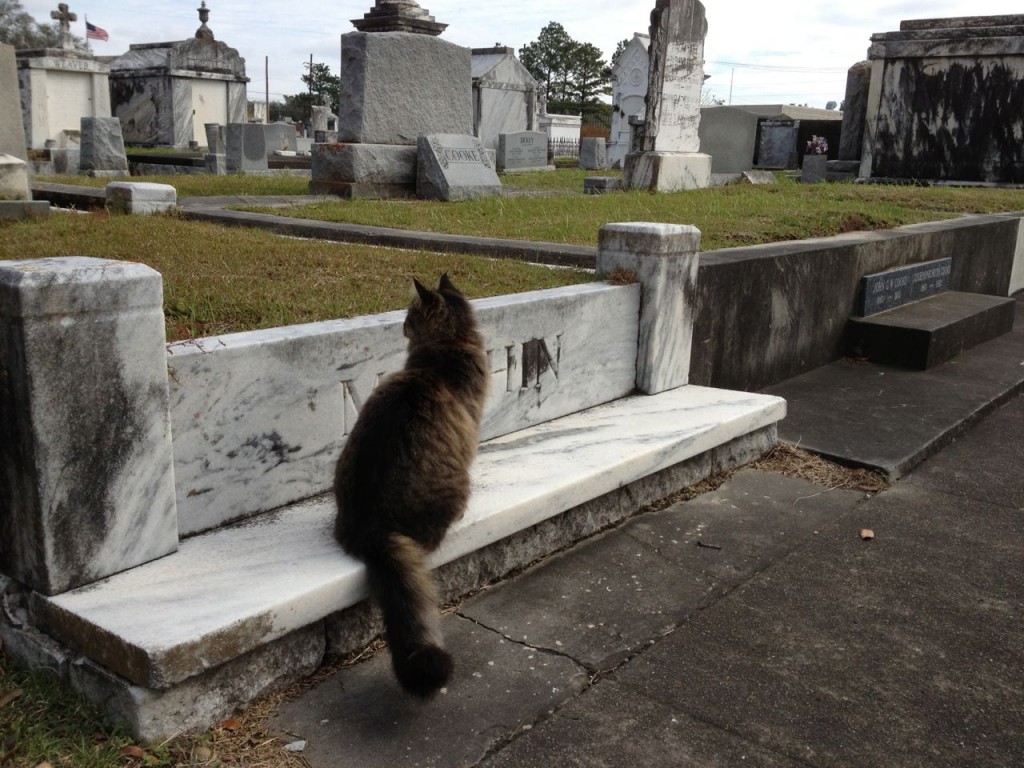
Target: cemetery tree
548 59
18 28
573 73
323 86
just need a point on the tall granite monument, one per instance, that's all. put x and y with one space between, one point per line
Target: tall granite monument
670 158
399 81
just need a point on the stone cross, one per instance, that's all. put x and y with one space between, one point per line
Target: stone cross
65 17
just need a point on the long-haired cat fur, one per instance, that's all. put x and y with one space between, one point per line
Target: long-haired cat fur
403 476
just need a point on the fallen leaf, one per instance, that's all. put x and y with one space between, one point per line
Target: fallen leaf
7 698
131 751
866 534
44 765
295 746
231 724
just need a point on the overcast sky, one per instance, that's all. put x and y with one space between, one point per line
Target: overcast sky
756 51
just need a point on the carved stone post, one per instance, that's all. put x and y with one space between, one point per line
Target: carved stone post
664 259
86 473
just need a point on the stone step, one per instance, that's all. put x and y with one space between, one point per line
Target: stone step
924 333
240 587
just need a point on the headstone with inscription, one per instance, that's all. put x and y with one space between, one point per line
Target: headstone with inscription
523 151
777 147
102 152
454 167
593 153
896 287
671 158
246 148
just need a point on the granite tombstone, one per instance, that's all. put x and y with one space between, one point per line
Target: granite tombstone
453 167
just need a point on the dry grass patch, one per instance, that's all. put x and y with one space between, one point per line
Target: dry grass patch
791 461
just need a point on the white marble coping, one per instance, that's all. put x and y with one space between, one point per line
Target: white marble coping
236 588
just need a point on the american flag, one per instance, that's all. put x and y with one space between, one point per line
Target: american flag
92 32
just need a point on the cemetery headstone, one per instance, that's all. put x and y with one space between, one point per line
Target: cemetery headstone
280 137
246 148
13 178
593 153
777 147
855 107
523 151
102 150
398 82
12 129
454 167
671 157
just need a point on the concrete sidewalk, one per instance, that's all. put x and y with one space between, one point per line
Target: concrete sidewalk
750 626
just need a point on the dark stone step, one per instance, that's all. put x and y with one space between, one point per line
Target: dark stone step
930 331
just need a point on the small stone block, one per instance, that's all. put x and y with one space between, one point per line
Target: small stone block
13 178
86 466
24 209
141 197
598 185
667 171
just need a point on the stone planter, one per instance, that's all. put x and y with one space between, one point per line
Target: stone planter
813 169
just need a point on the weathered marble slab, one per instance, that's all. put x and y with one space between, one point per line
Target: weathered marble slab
663 257
141 197
260 418
242 586
86 477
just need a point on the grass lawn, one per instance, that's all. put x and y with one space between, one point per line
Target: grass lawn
735 215
220 279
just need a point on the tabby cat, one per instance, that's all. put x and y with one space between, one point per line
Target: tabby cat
403 476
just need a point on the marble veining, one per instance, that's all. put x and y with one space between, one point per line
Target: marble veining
259 418
241 586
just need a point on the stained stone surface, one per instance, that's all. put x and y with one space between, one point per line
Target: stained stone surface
389 169
276 405
246 147
87 480
12 130
396 86
593 154
676 75
664 259
454 167
102 145
855 108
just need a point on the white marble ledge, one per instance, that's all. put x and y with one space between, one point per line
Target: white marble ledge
236 588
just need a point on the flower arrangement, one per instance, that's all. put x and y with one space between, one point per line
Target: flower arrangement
818 145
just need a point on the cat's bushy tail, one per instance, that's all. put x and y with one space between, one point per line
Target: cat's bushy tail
405 589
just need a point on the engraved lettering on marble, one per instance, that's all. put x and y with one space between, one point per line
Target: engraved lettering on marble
353 398
539 359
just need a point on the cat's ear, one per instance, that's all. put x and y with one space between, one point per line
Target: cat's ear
426 295
444 284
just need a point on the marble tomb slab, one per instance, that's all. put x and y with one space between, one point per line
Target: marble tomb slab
239 587
259 418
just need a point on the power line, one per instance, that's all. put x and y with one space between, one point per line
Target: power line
739 65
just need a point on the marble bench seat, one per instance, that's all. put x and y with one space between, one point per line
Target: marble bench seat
242 586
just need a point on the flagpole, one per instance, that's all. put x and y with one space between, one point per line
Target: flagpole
87 47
